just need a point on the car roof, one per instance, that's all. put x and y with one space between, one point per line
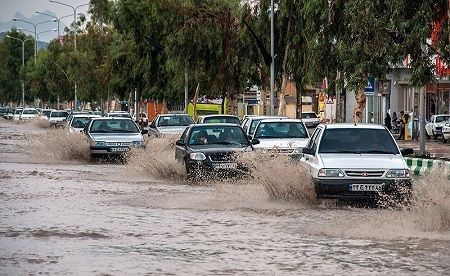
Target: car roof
174 114
218 115
266 117
111 118
215 125
305 112
86 115
357 126
271 120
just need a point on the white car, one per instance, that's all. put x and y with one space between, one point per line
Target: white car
58 117
218 118
17 113
120 114
45 113
29 113
79 121
434 127
172 124
310 119
446 131
356 161
249 123
281 135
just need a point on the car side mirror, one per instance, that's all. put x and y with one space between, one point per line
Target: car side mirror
407 151
255 141
144 131
180 143
309 151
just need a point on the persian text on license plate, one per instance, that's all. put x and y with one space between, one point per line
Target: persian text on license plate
119 149
225 166
366 187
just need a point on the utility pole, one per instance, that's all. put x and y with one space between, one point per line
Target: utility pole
272 64
422 121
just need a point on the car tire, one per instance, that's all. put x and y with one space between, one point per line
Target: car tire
435 136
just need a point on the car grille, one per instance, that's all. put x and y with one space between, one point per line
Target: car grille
283 151
365 173
124 144
438 129
221 157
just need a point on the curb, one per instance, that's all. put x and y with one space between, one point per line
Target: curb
420 166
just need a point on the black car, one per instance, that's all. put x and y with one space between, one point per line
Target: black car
210 149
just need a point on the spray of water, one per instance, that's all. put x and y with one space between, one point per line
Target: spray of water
60 144
42 123
156 160
281 177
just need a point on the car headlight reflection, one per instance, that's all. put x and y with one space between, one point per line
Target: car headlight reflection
398 173
330 173
199 156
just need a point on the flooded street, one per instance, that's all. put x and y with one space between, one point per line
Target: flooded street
62 214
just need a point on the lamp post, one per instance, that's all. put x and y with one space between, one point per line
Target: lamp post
74 35
23 63
35 33
57 18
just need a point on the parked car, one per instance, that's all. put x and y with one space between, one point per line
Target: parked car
45 114
10 114
3 111
119 114
207 149
434 127
58 118
79 121
73 113
357 161
169 124
218 118
29 113
17 113
113 136
310 119
249 124
281 135
446 131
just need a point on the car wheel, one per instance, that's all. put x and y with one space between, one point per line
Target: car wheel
435 136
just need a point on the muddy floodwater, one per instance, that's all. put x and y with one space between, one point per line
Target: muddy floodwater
62 214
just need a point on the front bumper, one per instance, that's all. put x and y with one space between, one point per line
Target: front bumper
110 150
340 188
208 167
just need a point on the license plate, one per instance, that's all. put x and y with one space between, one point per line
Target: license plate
225 166
366 187
119 149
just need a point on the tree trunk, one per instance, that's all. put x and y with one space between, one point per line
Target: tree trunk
197 91
231 101
360 97
285 76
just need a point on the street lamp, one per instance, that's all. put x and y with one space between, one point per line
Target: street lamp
23 63
57 18
35 33
74 33
47 31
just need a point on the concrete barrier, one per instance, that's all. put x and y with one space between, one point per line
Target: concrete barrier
420 166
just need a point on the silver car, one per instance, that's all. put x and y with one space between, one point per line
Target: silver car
172 124
58 118
113 136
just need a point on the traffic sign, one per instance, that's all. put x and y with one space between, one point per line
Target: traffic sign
369 90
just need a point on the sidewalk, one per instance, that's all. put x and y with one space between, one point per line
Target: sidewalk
436 149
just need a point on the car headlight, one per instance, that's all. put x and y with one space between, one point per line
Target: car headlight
399 173
330 173
197 156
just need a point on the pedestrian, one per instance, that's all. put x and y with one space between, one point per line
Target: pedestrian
432 107
387 121
402 126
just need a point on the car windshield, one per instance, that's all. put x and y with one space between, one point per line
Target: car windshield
113 126
281 130
80 122
168 121
30 111
440 119
222 119
218 135
58 114
46 112
255 122
18 111
309 115
357 140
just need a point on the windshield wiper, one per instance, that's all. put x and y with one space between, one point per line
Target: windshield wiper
227 143
378 151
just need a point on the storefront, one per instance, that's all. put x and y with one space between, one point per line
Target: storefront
438 98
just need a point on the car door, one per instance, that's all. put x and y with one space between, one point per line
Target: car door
180 150
312 159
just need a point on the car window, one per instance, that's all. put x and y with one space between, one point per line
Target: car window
222 119
80 122
253 125
309 115
281 130
58 114
311 140
315 141
220 135
245 123
440 119
354 140
113 126
167 121
30 111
